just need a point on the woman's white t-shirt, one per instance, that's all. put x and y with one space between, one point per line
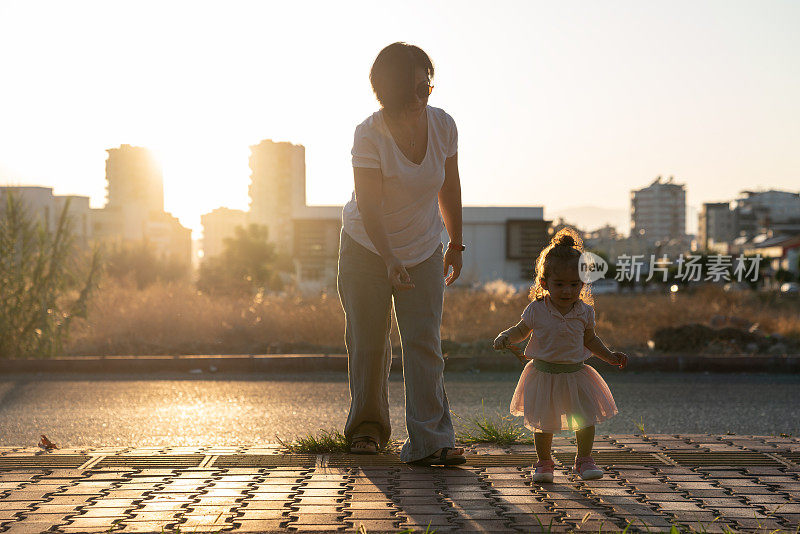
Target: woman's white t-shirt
410 192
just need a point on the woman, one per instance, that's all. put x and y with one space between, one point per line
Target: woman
405 166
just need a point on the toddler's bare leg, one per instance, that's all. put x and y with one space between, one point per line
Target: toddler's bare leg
585 439
543 441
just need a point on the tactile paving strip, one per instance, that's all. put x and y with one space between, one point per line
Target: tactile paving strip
722 458
265 460
160 461
615 458
57 461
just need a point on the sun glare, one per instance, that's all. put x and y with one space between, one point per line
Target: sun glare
201 175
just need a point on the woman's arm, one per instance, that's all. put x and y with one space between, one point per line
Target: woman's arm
450 208
369 191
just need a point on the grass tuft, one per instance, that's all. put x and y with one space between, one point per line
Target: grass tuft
325 442
640 426
499 429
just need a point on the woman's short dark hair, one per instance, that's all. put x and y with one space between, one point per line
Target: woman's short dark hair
392 74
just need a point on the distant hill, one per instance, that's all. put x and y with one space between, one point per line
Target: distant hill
592 217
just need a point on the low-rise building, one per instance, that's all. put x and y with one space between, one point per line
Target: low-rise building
783 251
218 225
604 232
758 212
502 242
45 207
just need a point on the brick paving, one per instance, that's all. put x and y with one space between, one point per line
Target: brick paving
698 482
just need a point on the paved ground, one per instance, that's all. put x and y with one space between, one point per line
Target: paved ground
224 410
749 483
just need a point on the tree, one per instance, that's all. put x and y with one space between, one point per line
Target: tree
246 265
46 281
139 262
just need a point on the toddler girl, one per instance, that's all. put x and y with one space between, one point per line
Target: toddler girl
557 391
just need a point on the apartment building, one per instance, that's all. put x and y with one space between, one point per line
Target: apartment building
658 211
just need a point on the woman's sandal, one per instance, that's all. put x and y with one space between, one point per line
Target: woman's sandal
364 450
441 458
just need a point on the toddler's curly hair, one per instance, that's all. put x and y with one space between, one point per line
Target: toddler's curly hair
564 250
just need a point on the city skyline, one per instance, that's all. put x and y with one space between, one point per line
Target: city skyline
603 98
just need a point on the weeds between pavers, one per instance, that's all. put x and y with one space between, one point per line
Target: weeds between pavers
500 429
326 442
640 426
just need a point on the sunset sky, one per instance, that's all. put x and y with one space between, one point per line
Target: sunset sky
559 104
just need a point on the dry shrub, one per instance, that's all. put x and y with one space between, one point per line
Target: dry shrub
176 319
624 320
629 320
470 316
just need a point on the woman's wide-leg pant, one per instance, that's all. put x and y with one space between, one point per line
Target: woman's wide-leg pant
367 296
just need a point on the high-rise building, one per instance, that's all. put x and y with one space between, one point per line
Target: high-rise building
134 209
716 227
134 191
134 179
277 189
658 211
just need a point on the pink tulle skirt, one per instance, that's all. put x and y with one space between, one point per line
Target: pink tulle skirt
554 402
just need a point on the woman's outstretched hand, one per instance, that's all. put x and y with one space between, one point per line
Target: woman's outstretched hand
398 276
452 258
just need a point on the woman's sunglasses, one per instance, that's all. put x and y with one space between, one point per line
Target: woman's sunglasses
423 90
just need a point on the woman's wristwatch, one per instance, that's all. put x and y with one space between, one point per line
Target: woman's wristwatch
460 247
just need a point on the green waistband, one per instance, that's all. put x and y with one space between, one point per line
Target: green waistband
549 367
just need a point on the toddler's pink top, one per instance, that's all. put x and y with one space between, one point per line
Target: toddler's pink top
555 337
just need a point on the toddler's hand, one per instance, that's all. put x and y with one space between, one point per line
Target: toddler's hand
621 359
501 342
